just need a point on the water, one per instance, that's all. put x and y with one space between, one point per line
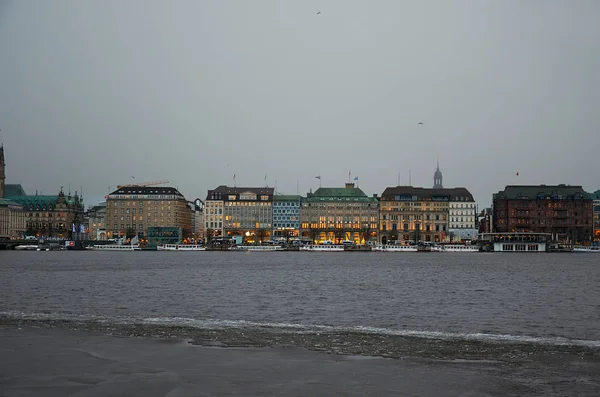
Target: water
533 298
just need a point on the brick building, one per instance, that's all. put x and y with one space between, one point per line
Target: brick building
563 210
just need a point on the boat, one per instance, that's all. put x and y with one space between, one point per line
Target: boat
456 248
515 242
181 247
323 248
261 248
114 247
594 249
26 247
394 248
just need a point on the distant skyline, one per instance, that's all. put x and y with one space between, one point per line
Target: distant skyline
94 93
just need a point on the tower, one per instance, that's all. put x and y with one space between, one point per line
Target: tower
2 171
437 178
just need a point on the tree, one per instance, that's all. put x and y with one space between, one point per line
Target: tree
129 233
260 235
209 235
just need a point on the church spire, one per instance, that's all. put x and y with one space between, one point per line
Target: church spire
437 177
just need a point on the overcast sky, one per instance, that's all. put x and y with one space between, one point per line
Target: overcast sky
95 92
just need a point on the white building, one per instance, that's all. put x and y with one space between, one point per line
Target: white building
213 213
462 217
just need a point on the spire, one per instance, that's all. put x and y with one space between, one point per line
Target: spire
437 177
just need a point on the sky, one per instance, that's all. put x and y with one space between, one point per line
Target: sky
94 94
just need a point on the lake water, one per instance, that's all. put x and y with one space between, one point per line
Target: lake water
530 298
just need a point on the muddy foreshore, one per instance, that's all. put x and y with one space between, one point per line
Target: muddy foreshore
343 343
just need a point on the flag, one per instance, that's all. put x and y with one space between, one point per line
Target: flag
81 229
73 228
234 176
318 177
265 177
356 178
517 174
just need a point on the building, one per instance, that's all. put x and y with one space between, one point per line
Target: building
338 214
462 215
197 208
213 213
240 211
596 213
132 209
59 216
2 172
564 211
12 220
96 217
286 216
413 214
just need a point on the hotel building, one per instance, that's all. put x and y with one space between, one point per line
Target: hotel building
240 211
338 214
131 210
564 211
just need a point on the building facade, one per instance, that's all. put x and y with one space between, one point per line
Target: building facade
564 211
213 213
339 214
197 208
12 220
132 209
241 211
596 213
2 172
414 214
286 216
97 222
58 216
462 215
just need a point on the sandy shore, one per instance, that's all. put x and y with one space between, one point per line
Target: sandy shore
87 359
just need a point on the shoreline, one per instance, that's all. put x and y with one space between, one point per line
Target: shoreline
57 358
332 342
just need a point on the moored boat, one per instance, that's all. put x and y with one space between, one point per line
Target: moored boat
457 248
594 249
114 247
323 248
395 248
181 247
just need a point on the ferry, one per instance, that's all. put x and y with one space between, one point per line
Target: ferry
180 247
114 247
594 249
323 248
515 242
259 248
456 248
394 248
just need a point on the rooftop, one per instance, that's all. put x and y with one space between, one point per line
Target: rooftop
286 197
348 193
421 193
8 203
532 192
12 190
147 190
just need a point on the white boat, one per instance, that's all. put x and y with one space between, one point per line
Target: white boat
261 248
456 248
181 247
26 247
395 248
594 249
115 247
323 248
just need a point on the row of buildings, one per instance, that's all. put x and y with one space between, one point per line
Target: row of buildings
159 214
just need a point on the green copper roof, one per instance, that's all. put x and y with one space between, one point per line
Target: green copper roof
339 194
7 203
42 201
